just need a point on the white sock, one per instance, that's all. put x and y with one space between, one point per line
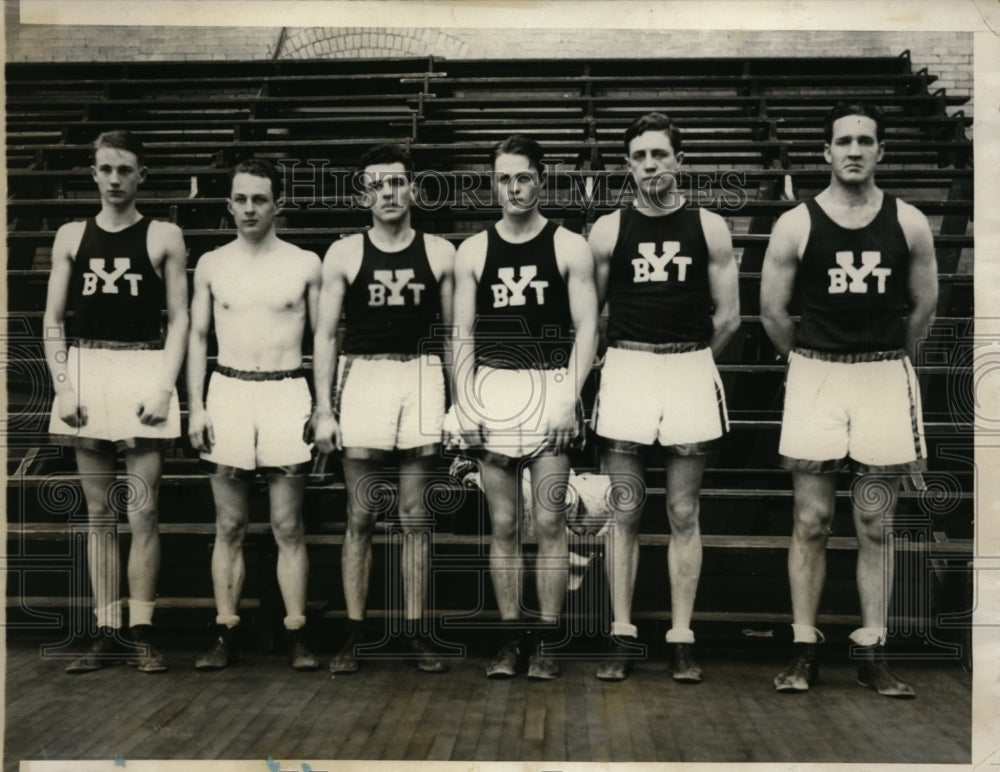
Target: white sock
110 615
140 612
680 635
806 634
295 623
868 636
229 620
624 630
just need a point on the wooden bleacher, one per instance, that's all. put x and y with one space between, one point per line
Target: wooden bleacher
752 143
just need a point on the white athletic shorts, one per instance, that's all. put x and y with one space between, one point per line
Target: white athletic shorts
857 410
513 409
259 421
652 394
388 402
111 379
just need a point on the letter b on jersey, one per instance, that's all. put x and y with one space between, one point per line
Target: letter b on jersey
848 278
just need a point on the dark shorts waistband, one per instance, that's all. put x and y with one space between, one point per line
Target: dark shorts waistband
506 364
259 375
120 345
385 356
851 358
678 347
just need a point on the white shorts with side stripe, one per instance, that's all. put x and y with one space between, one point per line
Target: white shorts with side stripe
110 383
863 412
675 399
390 403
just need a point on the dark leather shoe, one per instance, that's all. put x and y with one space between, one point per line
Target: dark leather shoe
680 661
622 652
508 658
221 653
106 649
148 659
345 660
542 667
802 672
299 656
428 660
874 673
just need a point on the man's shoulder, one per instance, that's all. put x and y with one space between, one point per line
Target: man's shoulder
795 219
163 229
475 242
435 243
566 239
351 245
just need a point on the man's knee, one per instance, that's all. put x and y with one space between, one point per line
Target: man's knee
812 520
230 529
144 522
288 530
682 512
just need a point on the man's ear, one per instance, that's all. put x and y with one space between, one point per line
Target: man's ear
143 173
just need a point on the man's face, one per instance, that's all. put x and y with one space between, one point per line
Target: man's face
853 150
654 164
518 183
387 190
252 205
118 175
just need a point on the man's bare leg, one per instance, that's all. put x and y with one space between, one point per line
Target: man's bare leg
232 511
813 507
286 495
414 475
873 502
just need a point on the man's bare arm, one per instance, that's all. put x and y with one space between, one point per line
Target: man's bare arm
723 281
199 426
333 287
781 263
54 324
923 275
168 238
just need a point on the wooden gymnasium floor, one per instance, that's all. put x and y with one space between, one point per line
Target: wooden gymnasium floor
389 710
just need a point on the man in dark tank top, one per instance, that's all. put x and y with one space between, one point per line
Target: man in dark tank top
861 267
114 377
666 270
525 334
394 286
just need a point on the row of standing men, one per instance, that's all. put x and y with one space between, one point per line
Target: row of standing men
522 300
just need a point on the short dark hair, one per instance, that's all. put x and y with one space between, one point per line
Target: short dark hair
842 109
521 144
258 167
654 122
386 153
121 140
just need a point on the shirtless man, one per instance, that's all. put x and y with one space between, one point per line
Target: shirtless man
260 290
393 284
114 385
526 332
860 265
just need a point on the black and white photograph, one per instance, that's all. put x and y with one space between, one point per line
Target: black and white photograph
540 386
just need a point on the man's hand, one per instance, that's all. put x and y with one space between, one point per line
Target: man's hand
152 411
326 431
562 426
70 409
200 431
